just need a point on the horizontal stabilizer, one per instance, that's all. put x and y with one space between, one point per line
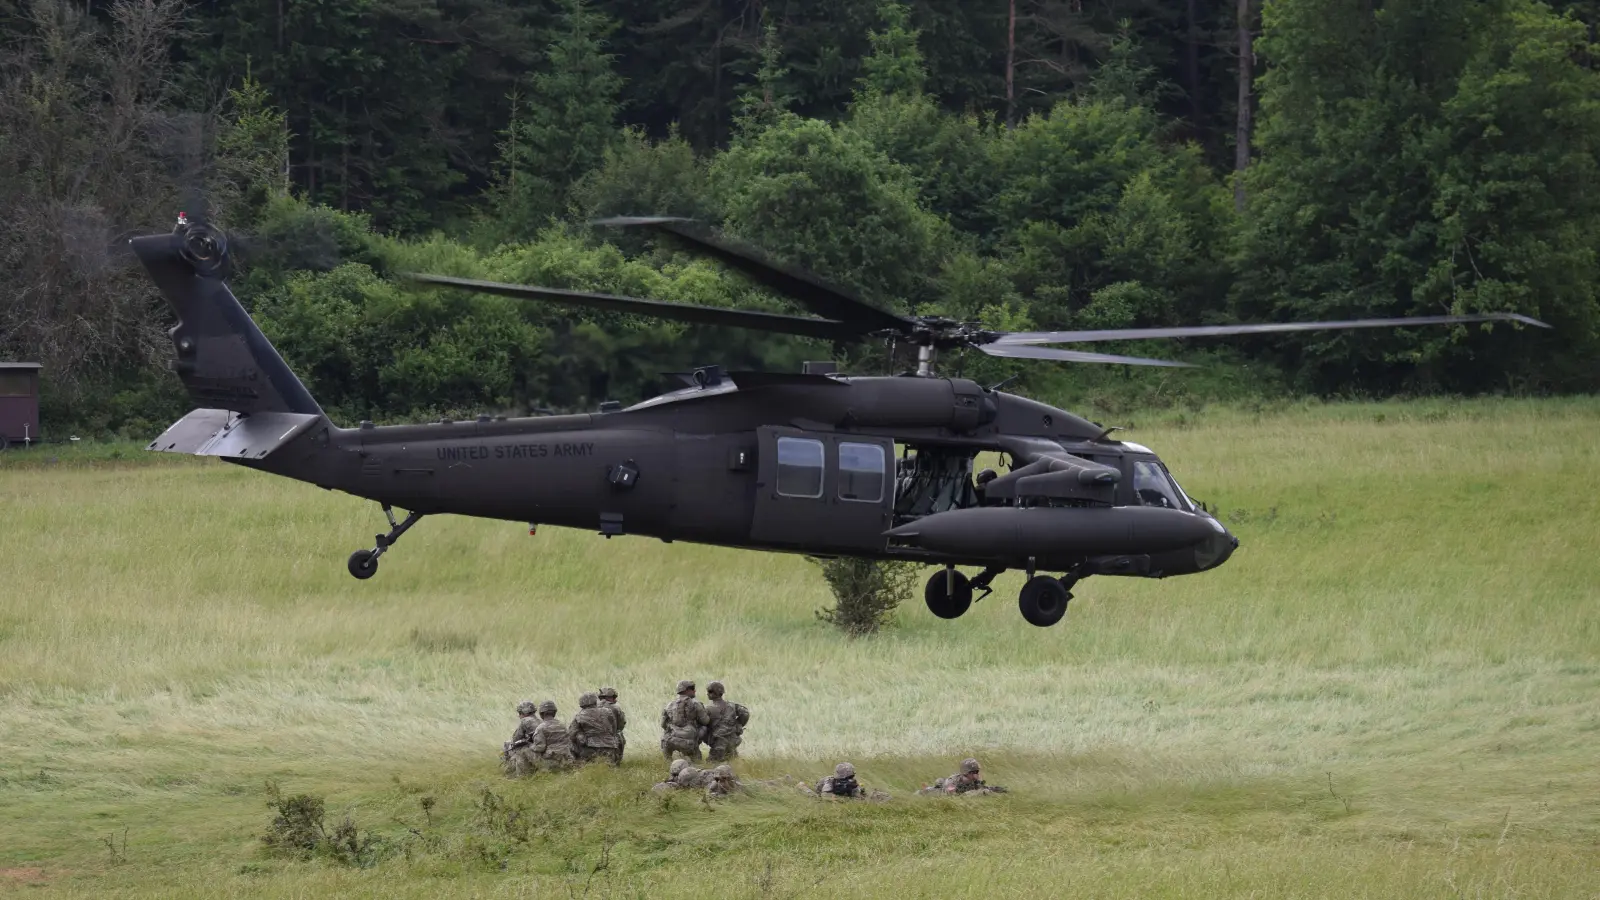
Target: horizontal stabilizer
221 432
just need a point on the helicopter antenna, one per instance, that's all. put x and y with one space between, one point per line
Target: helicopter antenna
1004 381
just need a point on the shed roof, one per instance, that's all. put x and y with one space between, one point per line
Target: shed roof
6 365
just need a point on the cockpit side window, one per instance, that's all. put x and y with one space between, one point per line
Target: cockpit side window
1151 486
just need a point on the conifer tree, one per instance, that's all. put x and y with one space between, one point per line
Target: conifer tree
562 127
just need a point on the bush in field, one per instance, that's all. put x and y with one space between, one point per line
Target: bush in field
866 592
297 829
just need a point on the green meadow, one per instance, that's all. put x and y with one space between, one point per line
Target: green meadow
1391 691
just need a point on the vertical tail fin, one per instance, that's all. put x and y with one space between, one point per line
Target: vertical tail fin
223 359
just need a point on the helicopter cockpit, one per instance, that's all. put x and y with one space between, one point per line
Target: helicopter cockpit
934 479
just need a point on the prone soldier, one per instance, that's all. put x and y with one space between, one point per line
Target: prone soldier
683 775
968 780
683 724
728 720
550 745
842 783
591 734
722 782
608 701
514 755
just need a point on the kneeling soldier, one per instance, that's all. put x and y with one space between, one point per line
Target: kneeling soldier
550 744
514 756
591 732
728 720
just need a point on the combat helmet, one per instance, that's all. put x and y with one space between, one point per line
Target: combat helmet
844 770
722 771
547 708
608 693
969 766
526 708
714 689
678 765
588 700
685 686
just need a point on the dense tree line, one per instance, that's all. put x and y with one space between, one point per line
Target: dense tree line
1029 163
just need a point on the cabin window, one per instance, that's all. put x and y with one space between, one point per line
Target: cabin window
799 467
861 472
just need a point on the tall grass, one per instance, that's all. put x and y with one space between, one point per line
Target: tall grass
1389 690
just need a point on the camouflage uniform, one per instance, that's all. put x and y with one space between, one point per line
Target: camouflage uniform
842 783
550 745
683 723
671 784
514 756
608 701
728 720
966 781
722 782
693 777
591 732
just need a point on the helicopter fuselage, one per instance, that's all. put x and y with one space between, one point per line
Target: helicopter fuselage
878 467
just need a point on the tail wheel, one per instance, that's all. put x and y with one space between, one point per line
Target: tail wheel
1043 601
948 594
362 564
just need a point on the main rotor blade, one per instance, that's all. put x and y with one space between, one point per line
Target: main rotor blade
1028 351
1139 334
704 315
806 288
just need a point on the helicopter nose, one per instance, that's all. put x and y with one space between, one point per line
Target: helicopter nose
1216 548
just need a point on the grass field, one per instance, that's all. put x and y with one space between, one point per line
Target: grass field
1391 690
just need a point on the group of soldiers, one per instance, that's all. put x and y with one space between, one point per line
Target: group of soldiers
721 781
596 733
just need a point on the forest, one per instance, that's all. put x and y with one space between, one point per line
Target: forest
1021 163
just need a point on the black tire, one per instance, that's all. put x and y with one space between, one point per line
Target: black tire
362 565
944 603
1043 601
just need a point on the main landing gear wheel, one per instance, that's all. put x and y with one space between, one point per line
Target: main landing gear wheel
1043 601
948 594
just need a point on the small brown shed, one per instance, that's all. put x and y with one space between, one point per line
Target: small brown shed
19 402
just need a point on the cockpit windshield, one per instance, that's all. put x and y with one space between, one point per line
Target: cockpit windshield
1152 487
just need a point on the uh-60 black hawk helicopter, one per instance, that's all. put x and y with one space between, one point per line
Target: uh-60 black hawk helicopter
800 462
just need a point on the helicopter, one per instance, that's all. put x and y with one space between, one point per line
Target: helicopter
797 462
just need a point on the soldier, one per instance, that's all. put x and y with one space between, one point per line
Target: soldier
671 784
608 701
683 723
966 781
514 755
591 732
728 720
722 782
550 745
842 783
693 777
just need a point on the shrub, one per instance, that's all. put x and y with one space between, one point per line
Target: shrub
866 592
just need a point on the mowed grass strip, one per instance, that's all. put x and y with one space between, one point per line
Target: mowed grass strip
1389 691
